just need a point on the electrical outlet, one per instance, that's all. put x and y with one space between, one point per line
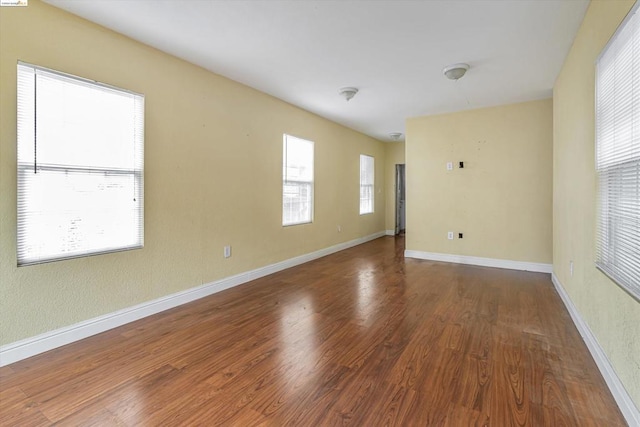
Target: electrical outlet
339 229
227 251
449 166
450 235
571 268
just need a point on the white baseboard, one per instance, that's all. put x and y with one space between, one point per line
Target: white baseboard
625 403
485 262
28 347
390 232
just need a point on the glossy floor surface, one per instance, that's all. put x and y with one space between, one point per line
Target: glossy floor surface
361 338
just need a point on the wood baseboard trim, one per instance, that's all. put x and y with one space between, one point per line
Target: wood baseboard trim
484 262
622 398
19 350
390 232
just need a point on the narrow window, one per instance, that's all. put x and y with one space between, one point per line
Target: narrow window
618 156
297 181
367 179
80 167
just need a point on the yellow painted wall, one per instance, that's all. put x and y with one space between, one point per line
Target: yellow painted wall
501 200
612 315
394 155
213 171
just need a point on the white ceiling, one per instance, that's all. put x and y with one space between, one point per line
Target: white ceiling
393 51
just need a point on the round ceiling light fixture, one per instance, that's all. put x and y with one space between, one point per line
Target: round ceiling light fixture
348 92
455 71
395 136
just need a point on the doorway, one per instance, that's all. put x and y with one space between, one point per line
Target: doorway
400 201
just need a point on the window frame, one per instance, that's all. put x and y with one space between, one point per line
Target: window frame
310 184
617 161
27 188
364 184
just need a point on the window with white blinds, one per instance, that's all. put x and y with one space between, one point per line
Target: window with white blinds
297 181
80 167
367 178
618 156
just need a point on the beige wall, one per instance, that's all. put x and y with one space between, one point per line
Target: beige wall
213 177
612 315
501 200
394 155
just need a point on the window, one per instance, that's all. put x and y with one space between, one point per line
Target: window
80 167
367 179
297 181
618 156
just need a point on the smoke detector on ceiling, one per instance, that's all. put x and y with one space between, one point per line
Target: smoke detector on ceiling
348 92
395 136
455 71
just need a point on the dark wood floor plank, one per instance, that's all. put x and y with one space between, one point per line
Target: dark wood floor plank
16 409
360 337
91 415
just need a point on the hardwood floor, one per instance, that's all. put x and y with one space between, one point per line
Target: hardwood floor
361 338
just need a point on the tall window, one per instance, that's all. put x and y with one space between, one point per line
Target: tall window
80 167
618 155
367 178
297 181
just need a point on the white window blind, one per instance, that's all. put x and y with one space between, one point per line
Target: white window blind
367 178
297 181
618 156
80 167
